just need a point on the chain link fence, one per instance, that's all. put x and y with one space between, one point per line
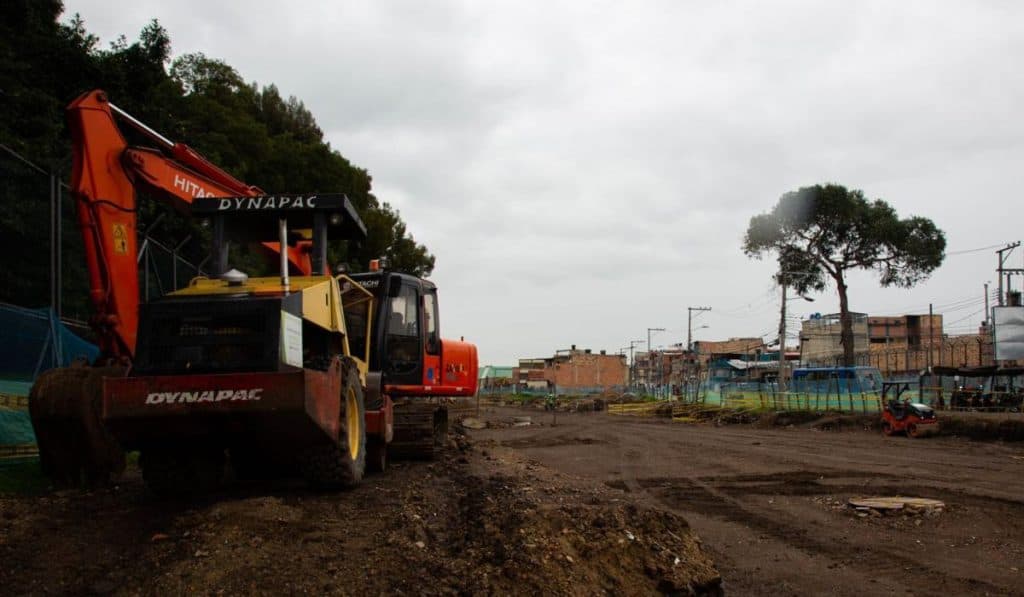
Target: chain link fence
43 247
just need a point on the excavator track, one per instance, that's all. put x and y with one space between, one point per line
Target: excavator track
420 429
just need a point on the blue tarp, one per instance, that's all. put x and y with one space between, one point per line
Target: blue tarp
35 340
31 341
15 428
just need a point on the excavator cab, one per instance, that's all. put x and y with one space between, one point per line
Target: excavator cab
418 368
407 345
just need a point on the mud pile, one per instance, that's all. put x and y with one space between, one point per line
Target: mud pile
471 524
525 533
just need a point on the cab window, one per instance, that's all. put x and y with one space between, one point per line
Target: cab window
403 348
433 343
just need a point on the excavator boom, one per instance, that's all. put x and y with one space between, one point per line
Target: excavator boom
105 174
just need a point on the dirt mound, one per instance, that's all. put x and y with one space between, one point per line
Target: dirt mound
502 536
470 524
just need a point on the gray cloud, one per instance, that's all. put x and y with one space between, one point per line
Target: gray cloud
584 171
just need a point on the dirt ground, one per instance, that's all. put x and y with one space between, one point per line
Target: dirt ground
769 504
474 523
595 504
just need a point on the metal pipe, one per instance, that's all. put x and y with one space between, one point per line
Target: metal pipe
135 122
282 235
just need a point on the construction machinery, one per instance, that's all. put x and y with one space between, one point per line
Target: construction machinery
900 415
989 388
307 371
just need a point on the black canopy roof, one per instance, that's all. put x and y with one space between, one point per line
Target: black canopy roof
256 218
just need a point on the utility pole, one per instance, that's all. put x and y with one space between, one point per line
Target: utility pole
782 326
632 362
782 344
931 335
1001 269
649 368
689 325
987 312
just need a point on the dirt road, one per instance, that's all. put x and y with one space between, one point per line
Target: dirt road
472 524
598 504
768 503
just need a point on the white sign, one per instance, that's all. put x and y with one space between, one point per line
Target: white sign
1009 329
291 339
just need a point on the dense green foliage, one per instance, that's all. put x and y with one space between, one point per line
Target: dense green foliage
251 131
826 230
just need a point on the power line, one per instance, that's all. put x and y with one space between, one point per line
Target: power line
978 250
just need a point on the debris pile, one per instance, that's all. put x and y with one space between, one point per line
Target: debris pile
528 532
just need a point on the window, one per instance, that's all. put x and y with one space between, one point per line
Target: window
430 313
402 319
403 345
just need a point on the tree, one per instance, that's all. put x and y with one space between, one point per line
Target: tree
828 230
250 131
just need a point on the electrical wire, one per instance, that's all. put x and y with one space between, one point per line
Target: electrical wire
978 250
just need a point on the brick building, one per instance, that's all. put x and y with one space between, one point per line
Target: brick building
749 349
821 338
967 350
663 367
573 370
909 330
530 374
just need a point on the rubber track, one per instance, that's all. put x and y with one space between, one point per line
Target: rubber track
415 437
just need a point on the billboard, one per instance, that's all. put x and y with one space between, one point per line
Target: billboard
1009 332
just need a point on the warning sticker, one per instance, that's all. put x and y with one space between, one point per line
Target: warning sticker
120 239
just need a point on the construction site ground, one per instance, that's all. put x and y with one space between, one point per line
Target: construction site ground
572 503
769 503
472 523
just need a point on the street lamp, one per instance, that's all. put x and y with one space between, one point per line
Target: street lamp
632 362
689 323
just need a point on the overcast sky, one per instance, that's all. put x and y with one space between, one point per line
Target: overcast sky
586 170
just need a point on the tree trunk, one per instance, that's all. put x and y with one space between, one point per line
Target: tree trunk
846 337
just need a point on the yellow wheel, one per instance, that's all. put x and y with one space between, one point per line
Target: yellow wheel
342 464
354 423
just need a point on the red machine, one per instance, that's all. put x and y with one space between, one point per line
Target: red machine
903 416
299 370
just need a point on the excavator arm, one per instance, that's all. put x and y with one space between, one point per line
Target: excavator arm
106 175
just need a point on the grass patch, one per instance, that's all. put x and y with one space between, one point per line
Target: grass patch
22 476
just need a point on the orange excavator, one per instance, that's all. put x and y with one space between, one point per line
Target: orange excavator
309 371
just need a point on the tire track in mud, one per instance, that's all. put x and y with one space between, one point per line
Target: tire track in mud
717 497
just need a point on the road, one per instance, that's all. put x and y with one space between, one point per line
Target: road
769 503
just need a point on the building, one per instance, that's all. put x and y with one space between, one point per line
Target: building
749 349
573 371
908 330
531 374
821 338
664 367
495 377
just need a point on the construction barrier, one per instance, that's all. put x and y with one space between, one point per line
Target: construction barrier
637 409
